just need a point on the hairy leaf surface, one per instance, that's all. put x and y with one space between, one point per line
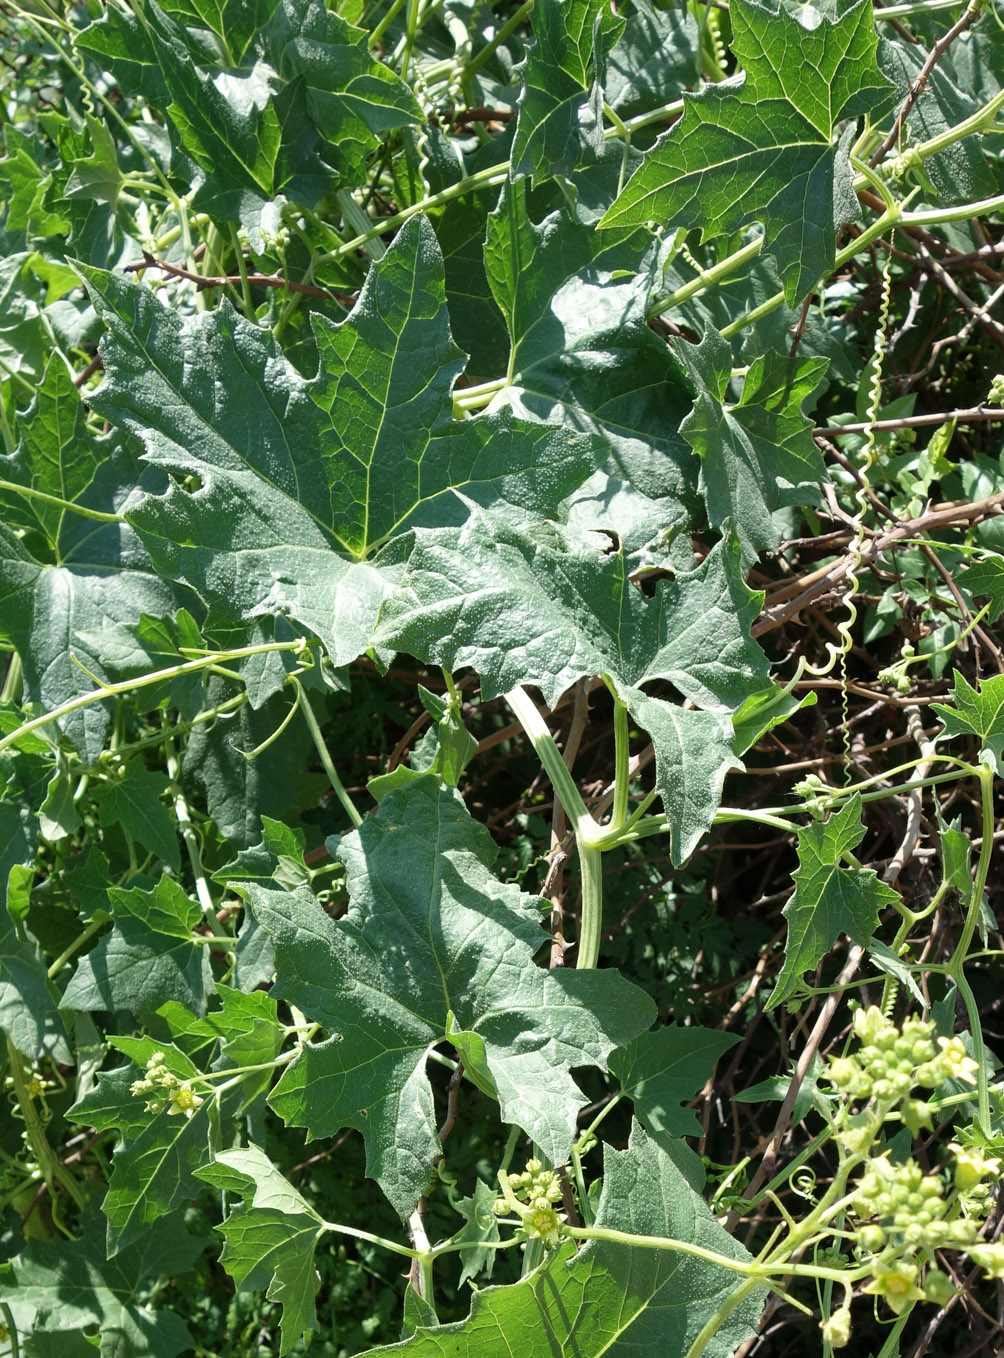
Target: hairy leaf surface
433 945
614 1299
829 898
764 146
297 484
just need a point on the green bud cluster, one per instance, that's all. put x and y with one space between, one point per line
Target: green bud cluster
892 1061
908 1206
532 1194
899 1213
166 1090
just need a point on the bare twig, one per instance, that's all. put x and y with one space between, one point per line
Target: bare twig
791 597
977 312
917 88
261 280
95 366
914 800
812 1045
975 415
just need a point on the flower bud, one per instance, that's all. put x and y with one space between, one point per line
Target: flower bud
837 1330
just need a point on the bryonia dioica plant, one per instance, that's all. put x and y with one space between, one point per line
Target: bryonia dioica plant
502 710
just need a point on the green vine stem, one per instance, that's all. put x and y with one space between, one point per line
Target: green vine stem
11 1328
958 960
547 752
29 493
588 834
49 1164
322 753
591 930
622 759
118 690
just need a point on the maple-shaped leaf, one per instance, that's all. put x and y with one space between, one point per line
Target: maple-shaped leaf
829 899
561 102
299 483
977 712
655 59
71 1286
665 1068
68 581
247 132
433 949
290 103
133 801
765 145
137 968
757 453
614 1300
521 611
29 1012
351 97
270 1238
985 580
583 355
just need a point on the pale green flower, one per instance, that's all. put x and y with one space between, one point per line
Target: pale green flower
971 1166
897 1284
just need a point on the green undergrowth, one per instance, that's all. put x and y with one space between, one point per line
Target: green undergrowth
501 558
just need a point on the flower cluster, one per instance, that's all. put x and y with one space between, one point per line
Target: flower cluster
893 1061
165 1089
908 1206
532 1195
900 1213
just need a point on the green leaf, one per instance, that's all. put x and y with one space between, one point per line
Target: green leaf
155 1173
29 1013
757 454
765 146
134 968
301 482
561 102
614 1300
977 712
270 1238
655 59
956 856
985 580
351 98
761 712
960 172
665 1068
153 1169
429 933
519 611
166 909
240 791
886 960
277 858
70 1285
58 603
234 22
133 801
775 1090
829 899
584 356
248 133
480 1230
55 455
